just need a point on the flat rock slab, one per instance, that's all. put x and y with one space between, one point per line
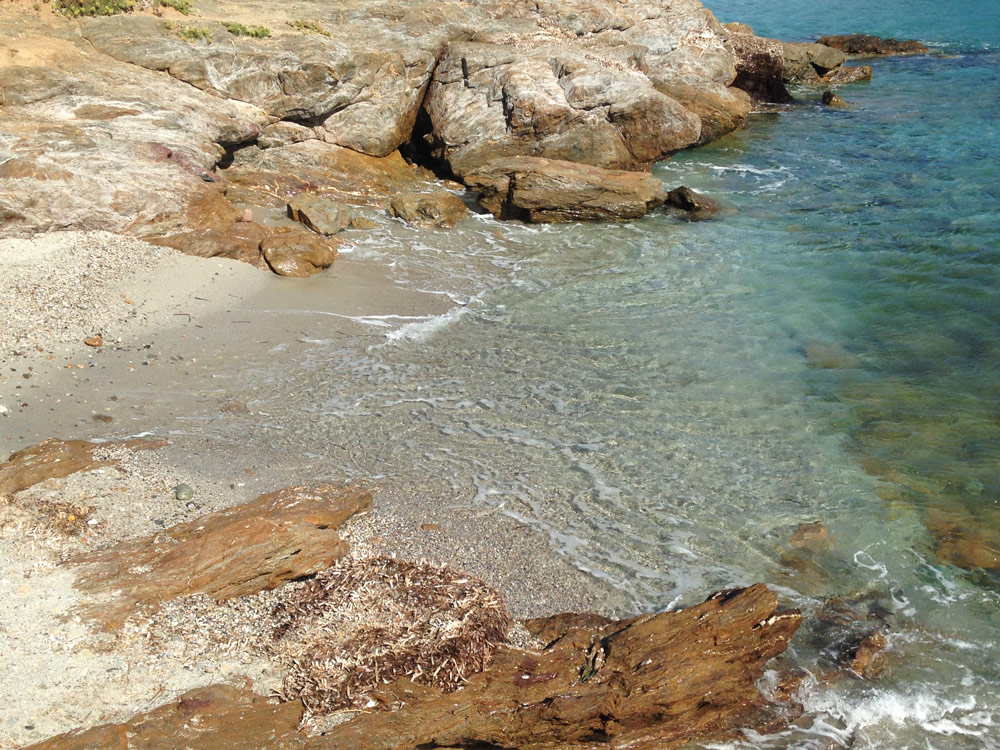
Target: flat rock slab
234 552
546 190
866 44
653 681
55 459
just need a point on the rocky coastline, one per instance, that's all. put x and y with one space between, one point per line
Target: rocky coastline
194 130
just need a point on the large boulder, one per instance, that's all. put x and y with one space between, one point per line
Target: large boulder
437 209
545 190
805 62
488 101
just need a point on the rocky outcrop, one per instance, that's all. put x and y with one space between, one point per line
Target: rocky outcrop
867 45
218 717
360 90
648 681
488 101
806 62
234 552
545 190
438 209
760 66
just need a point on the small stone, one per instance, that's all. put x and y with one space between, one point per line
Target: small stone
430 526
94 341
183 492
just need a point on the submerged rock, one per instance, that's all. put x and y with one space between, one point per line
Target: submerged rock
865 44
545 190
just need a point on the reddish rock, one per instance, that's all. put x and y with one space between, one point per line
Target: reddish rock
653 681
297 253
96 341
438 209
544 190
833 101
865 44
234 552
54 459
847 74
321 215
811 537
649 681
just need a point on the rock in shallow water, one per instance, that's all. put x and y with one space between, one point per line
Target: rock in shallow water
865 44
546 190
438 209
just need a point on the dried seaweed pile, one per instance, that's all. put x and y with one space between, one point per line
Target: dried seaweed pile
363 623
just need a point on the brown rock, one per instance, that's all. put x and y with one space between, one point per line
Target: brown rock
297 253
234 552
321 215
650 681
865 44
544 190
653 681
868 659
811 537
830 99
217 717
440 209
847 74
695 206
94 341
54 459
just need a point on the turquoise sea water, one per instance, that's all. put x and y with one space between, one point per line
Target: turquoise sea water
669 401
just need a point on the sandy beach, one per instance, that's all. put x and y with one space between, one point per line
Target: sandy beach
178 335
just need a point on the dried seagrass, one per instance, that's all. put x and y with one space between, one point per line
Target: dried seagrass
363 623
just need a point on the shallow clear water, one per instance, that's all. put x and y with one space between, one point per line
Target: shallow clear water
670 401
